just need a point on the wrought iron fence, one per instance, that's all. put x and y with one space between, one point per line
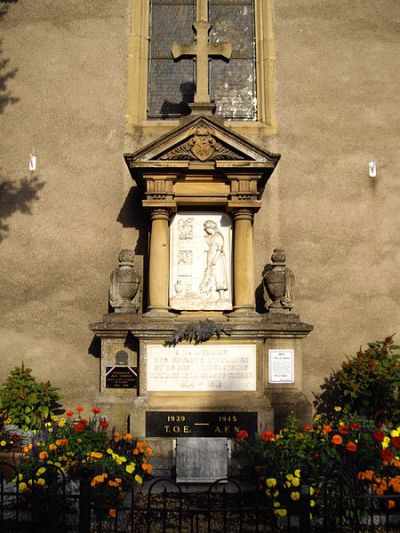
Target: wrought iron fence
70 506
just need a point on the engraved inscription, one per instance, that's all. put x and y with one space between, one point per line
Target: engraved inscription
213 367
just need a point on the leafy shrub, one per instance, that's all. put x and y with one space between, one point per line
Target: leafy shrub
25 402
367 384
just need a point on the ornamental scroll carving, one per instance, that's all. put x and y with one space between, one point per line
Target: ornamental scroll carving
202 146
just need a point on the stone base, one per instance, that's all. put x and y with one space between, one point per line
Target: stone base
286 402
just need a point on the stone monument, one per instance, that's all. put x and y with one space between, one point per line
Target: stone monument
203 184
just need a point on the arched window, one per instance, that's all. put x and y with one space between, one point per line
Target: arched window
160 88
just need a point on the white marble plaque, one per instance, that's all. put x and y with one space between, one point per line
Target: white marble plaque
213 367
281 366
201 261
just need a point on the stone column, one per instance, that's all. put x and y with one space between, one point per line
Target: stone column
243 290
159 262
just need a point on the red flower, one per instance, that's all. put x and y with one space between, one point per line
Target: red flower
268 435
95 410
355 426
79 428
308 428
69 413
104 424
396 442
337 440
79 408
351 446
378 435
327 429
242 435
386 454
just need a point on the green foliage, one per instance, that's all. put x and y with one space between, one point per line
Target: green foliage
24 401
367 384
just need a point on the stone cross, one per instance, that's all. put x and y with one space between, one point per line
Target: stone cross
201 49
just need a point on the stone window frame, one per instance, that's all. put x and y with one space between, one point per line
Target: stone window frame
136 116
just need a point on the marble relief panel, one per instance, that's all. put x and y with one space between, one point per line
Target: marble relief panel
201 261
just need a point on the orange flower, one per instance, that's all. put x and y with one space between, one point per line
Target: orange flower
390 504
128 437
336 440
52 447
351 446
43 456
141 446
327 429
79 408
62 442
268 435
242 435
148 452
112 513
69 413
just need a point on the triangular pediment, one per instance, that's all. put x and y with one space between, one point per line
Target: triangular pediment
201 140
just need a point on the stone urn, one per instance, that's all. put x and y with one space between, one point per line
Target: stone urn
278 281
124 284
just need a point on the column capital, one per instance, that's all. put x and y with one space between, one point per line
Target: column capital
160 213
243 213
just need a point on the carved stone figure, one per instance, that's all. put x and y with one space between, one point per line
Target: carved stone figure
278 282
215 276
124 284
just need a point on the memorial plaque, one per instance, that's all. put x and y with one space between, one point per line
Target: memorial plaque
121 377
212 367
281 366
199 424
201 261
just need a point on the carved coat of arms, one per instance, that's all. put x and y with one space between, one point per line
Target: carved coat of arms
202 144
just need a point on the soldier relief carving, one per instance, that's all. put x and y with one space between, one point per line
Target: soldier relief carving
201 262
202 146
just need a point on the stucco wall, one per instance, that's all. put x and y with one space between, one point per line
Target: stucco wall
338 101
337 106
69 91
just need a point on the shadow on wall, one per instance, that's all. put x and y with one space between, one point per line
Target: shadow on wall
5 73
17 196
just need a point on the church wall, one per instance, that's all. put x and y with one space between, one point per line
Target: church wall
337 109
337 95
69 85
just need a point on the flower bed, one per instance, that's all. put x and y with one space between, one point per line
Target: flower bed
344 458
71 446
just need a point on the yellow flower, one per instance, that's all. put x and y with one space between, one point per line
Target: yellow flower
386 442
3 443
130 468
62 422
338 408
297 472
280 512
311 491
394 433
109 451
41 471
295 495
312 503
296 482
277 504
20 477
54 418
289 477
138 479
22 486
41 481
276 493
271 482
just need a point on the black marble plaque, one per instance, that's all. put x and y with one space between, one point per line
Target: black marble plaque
199 424
121 377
